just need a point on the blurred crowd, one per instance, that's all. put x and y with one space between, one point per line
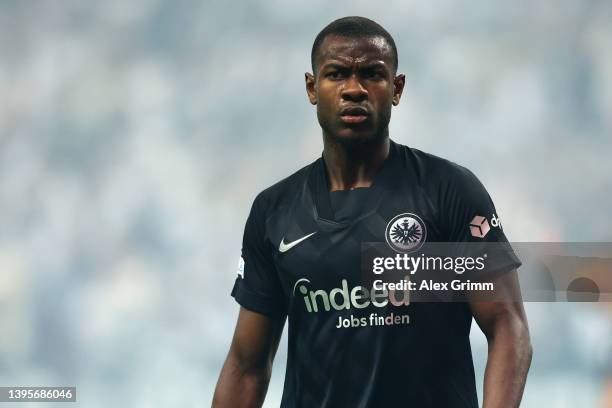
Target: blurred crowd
135 135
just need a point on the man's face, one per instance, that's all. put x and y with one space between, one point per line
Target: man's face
354 87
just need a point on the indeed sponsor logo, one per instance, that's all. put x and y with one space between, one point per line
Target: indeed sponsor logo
343 298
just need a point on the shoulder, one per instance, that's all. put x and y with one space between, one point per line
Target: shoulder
436 171
282 192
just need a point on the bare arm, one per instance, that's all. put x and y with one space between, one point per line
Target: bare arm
245 375
505 327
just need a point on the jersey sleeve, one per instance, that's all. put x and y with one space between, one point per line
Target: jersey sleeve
472 222
257 286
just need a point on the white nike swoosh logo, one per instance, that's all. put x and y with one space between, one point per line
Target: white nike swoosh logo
285 247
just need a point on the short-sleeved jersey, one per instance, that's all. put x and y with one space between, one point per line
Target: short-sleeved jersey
349 346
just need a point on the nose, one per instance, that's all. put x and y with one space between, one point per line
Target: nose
353 90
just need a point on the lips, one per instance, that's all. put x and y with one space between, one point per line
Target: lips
354 111
354 114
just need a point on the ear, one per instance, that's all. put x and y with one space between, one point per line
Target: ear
310 88
398 88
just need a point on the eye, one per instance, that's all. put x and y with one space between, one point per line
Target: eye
336 74
375 75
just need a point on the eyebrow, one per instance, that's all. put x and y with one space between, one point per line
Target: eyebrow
335 65
340 65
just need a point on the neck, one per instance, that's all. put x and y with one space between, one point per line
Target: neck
354 165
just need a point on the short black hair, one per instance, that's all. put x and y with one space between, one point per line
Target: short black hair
352 27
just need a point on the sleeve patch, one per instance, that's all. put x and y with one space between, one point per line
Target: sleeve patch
240 270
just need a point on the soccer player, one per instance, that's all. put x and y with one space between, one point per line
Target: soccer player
350 345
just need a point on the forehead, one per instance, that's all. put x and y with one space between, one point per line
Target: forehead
354 50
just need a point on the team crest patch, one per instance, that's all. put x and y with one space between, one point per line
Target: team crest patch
406 233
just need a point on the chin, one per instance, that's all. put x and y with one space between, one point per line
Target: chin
356 137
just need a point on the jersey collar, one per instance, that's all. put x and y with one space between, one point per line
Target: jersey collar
318 185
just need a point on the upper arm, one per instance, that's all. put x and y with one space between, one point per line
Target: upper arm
256 338
246 372
472 223
259 292
503 305
245 375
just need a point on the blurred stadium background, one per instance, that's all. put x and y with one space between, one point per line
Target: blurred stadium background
135 135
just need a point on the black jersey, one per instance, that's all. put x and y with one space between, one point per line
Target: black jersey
352 346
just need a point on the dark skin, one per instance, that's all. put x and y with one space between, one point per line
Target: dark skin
354 74
246 372
354 87
504 324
